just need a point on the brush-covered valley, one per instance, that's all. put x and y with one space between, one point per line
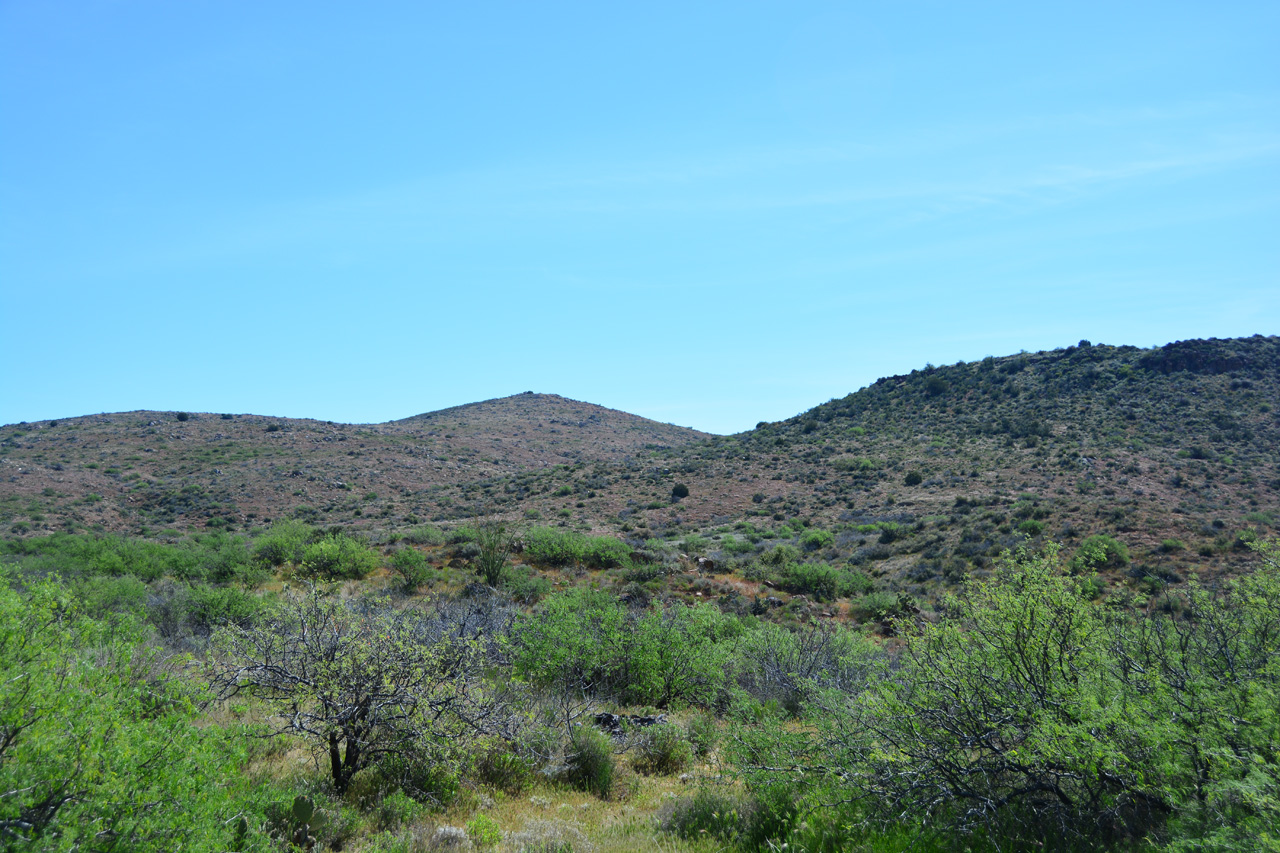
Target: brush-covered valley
1026 603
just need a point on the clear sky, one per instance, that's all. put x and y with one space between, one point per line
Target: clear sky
710 214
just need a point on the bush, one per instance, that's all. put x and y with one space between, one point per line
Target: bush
590 765
605 552
283 543
484 831
411 566
813 540
424 536
1100 552
702 734
495 542
338 556
709 812
679 491
547 546
662 751
913 478
587 640
498 767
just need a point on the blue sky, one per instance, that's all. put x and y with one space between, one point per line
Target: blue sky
706 214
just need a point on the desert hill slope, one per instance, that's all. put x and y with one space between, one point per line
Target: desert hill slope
137 471
1171 450
921 479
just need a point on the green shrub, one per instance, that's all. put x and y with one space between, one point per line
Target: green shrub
587 640
719 814
495 542
1168 546
605 552
424 536
877 605
662 750
411 566
460 535
212 607
780 555
702 734
90 707
696 544
524 585
679 491
499 767
813 539
125 594
283 543
339 556
548 546
1100 552
484 831
1031 527
590 764
913 478
817 580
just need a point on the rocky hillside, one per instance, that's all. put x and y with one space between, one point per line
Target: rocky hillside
144 471
919 479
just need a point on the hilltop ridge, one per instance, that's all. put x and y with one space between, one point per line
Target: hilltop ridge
1171 448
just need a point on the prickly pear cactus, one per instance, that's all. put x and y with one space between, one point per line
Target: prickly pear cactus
304 808
242 834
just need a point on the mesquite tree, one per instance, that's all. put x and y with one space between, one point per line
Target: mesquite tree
362 686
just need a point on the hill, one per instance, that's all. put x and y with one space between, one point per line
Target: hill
918 480
141 471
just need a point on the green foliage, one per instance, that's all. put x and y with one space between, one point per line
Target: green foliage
587 640
820 581
549 546
499 767
283 543
1026 714
590 763
679 491
696 544
662 750
913 478
709 811
496 542
484 831
702 734
424 536
1100 552
411 566
364 687
814 539
99 743
338 556
1031 527
780 555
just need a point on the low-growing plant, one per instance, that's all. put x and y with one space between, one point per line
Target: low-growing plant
709 811
1100 552
662 750
338 556
484 832
411 566
702 734
590 764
